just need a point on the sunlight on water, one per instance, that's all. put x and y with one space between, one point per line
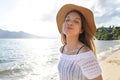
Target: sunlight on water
39 56
36 59
33 59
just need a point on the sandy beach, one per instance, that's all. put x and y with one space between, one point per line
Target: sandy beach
111 67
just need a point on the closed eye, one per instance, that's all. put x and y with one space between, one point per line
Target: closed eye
67 20
76 21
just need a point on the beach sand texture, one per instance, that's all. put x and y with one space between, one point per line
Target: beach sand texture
111 67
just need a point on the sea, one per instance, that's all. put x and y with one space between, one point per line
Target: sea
37 59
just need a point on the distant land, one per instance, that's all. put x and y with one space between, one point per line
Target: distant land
5 34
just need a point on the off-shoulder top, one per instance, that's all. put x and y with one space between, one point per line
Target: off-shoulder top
82 66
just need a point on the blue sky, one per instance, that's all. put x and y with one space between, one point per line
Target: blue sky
39 16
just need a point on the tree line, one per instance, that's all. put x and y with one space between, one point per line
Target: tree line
108 33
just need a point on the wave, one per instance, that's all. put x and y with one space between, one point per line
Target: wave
9 71
104 54
13 74
5 61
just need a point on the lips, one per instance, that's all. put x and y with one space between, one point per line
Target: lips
69 28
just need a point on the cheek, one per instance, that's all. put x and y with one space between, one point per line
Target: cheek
78 29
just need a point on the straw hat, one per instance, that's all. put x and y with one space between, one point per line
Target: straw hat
90 29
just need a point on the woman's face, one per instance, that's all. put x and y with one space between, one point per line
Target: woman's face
72 25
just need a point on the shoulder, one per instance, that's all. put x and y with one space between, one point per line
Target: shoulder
84 50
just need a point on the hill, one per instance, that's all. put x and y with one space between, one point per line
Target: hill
13 34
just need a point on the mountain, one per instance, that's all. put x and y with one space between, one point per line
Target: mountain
13 34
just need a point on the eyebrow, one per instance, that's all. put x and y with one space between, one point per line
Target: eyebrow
78 18
74 17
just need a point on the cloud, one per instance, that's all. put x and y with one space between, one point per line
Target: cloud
106 10
39 17
50 16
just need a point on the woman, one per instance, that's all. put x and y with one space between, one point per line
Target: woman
77 28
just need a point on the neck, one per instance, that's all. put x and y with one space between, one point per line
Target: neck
72 42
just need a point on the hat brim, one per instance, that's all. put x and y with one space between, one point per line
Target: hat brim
88 15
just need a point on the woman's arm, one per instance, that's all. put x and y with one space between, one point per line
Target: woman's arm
98 78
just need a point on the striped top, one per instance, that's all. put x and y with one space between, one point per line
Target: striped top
83 66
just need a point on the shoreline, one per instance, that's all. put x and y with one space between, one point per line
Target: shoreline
105 54
111 66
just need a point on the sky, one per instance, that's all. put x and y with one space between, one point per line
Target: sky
39 16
